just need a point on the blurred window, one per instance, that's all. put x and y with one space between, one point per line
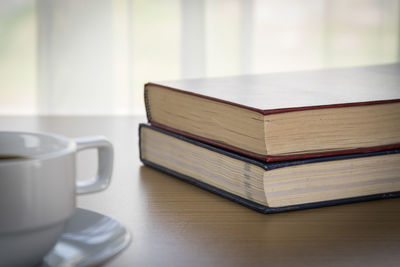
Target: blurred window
93 56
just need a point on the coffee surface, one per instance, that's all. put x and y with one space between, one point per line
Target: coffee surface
12 157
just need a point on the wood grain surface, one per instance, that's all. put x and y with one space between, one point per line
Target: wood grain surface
177 224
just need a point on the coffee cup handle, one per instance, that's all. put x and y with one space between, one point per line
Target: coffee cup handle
105 163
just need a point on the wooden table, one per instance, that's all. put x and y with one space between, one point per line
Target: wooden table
177 224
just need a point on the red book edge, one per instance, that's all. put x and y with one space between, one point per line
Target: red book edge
278 110
277 158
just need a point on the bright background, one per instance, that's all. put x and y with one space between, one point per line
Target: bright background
92 57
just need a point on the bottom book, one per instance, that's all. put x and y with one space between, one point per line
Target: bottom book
272 187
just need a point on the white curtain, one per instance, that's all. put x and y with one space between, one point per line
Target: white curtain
92 57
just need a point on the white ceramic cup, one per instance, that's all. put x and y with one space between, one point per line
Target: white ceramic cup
37 190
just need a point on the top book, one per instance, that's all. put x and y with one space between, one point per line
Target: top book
284 116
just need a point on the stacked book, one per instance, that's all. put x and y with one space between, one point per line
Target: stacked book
280 141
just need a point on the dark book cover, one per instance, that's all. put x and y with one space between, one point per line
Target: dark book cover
267 166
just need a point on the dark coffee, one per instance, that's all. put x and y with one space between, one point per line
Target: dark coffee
12 157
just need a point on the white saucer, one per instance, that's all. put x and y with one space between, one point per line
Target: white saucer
89 238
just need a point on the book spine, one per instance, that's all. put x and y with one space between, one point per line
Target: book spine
147 103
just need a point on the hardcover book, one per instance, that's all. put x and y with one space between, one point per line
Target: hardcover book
276 186
283 116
